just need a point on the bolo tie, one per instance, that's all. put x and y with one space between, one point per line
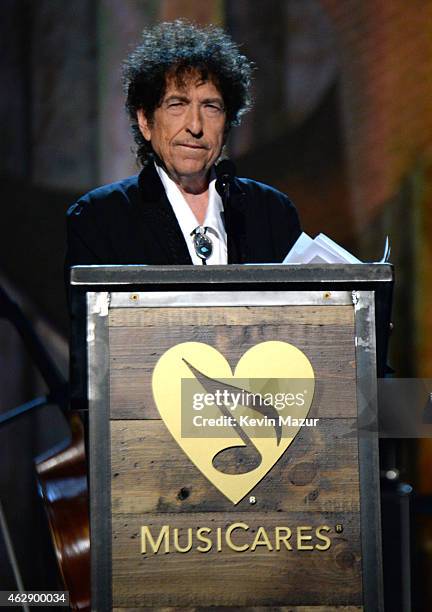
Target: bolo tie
203 244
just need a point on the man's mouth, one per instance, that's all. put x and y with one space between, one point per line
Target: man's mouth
191 146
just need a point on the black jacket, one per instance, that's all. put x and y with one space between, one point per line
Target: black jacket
132 222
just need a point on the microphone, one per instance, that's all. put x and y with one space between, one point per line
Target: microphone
225 172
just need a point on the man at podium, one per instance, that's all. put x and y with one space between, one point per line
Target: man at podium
186 87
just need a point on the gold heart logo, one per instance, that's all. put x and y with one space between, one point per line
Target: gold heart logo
233 427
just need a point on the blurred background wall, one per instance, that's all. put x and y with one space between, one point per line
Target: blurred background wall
342 122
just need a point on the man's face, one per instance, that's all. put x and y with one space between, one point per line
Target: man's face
187 129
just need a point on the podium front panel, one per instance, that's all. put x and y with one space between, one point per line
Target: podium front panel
294 523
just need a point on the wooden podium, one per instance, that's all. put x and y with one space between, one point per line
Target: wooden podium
306 535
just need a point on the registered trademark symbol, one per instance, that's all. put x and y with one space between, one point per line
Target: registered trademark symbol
252 499
339 528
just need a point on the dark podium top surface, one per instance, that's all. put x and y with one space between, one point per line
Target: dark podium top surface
347 274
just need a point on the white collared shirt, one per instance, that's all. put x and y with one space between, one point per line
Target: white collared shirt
188 222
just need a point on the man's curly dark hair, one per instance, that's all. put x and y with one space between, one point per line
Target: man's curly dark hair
175 49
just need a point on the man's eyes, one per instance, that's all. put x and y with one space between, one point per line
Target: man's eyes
214 108
176 108
209 107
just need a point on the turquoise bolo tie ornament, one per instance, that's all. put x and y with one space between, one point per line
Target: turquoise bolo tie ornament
202 243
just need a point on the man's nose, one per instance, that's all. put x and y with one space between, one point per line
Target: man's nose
194 121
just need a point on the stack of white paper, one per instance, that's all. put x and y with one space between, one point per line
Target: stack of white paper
322 249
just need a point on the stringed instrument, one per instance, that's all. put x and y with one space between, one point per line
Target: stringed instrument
62 472
62 484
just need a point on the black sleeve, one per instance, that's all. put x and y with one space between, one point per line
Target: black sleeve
83 239
285 227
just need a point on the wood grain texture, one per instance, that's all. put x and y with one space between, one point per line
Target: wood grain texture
317 473
231 315
315 482
134 351
249 609
226 578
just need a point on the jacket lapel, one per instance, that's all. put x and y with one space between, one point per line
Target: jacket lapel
238 248
160 219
